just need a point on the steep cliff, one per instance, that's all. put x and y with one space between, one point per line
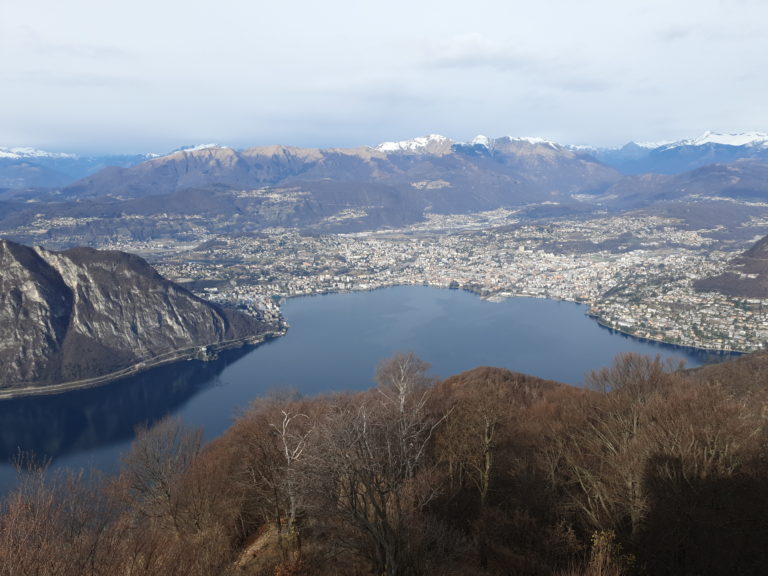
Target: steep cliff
84 313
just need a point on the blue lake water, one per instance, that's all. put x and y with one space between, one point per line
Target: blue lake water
334 344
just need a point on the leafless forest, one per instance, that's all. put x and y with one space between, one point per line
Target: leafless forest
646 470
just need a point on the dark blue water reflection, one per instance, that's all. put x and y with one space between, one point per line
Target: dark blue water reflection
334 344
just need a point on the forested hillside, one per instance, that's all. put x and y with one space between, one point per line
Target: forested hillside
646 470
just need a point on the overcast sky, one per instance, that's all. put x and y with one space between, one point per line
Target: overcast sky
141 76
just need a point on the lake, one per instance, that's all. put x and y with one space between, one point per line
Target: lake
334 344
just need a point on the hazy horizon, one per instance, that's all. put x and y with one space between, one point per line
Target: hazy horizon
87 76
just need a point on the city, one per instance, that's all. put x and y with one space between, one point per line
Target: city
644 289
634 273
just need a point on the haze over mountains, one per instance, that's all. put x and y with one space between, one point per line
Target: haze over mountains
448 179
192 196
684 155
28 167
390 185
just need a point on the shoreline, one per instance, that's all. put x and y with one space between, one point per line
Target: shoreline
180 355
703 349
194 352
504 295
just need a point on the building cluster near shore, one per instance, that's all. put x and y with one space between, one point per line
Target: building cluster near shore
635 274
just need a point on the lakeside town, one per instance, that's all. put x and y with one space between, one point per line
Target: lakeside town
635 275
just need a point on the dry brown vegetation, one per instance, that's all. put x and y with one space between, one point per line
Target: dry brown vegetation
647 470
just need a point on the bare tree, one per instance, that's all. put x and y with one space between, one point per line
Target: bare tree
293 430
404 388
275 433
606 455
480 419
153 468
705 430
365 465
56 524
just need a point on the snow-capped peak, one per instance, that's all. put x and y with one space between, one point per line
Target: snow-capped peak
654 145
535 140
201 147
20 153
435 143
742 139
422 144
481 140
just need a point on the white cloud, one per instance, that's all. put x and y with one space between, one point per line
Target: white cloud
342 72
476 51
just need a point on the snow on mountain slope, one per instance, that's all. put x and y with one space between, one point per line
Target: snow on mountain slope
742 139
654 145
535 140
435 143
21 153
481 140
430 143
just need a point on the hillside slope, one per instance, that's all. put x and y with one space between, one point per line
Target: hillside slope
746 276
83 313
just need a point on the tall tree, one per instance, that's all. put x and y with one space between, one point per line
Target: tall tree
365 465
153 468
606 453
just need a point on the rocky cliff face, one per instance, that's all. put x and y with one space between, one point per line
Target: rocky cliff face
83 313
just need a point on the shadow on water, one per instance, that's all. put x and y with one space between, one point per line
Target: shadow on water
701 355
335 343
58 425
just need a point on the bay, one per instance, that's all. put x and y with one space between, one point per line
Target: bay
334 344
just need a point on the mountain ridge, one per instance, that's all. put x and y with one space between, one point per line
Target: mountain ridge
359 189
395 187
746 275
25 167
81 314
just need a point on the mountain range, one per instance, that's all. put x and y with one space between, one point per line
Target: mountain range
22 168
82 313
394 184
436 170
323 190
684 155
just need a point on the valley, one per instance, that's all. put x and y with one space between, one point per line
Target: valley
635 274
501 218
383 289
635 271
